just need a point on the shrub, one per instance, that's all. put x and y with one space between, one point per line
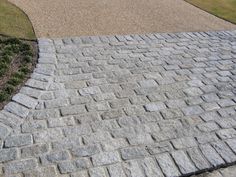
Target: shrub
3 96
14 81
9 89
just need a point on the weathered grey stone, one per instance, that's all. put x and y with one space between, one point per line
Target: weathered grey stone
183 143
224 151
20 166
97 172
89 91
17 109
25 100
4 131
8 154
77 130
211 155
41 172
105 158
132 169
150 167
158 148
197 158
116 170
84 151
232 144
72 110
66 167
133 153
82 163
155 106
31 126
183 162
192 110
227 133
18 140
47 135
34 150
167 165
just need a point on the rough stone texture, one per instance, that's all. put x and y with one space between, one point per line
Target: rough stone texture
149 105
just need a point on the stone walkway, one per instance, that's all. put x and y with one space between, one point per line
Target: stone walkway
150 105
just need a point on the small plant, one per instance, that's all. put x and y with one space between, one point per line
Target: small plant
11 50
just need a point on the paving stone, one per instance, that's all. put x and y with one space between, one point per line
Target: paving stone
34 150
192 110
118 102
227 133
25 100
56 103
82 163
89 91
208 127
211 155
41 172
155 106
54 157
167 165
4 131
18 140
183 162
20 166
224 151
116 171
197 158
97 172
73 110
133 153
132 169
8 154
84 151
31 126
66 167
193 91
17 109
232 144
183 143
105 158
150 167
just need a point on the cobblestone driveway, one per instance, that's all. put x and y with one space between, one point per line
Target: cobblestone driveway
124 106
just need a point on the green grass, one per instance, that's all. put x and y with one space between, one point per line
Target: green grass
14 22
225 9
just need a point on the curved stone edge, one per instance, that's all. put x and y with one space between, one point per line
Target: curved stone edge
17 110
28 99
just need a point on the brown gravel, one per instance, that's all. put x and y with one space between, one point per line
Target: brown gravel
61 18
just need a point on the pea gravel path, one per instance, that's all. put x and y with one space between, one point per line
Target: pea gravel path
149 105
63 18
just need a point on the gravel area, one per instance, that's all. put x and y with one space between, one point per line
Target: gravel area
60 18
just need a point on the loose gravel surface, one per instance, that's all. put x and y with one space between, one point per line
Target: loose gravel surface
60 18
149 105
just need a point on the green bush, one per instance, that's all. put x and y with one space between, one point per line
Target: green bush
14 81
4 96
19 75
24 47
24 70
26 59
9 89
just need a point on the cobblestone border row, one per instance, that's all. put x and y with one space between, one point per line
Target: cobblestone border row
37 95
